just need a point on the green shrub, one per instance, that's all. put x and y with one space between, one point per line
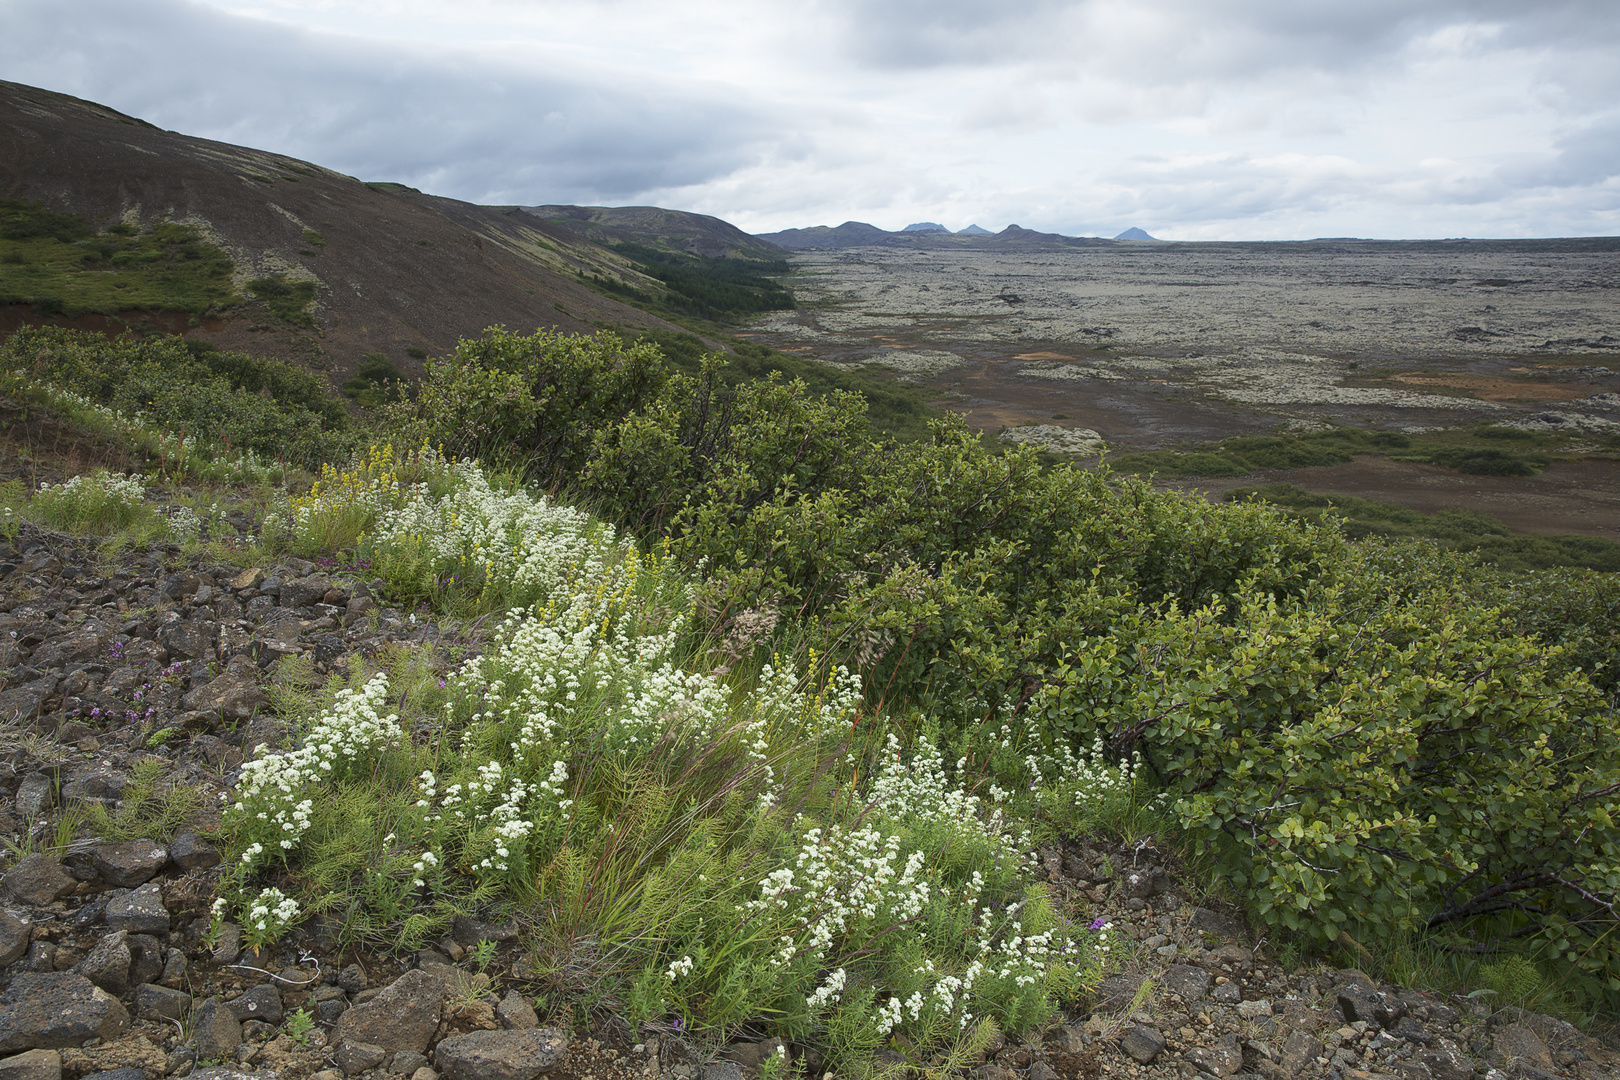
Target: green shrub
233 401
1372 768
1491 461
286 299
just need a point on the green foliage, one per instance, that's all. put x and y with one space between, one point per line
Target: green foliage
63 267
298 1026
1369 763
1514 980
32 221
377 380
286 299
155 806
232 401
1491 461
893 410
709 288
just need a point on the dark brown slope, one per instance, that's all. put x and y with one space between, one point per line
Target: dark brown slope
396 270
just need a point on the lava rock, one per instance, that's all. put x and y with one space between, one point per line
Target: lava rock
100 785
356 1057
129 864
1359 1001
1516 1045
154 1002
23 703
14 938
233 695
515 1013
36 794
33 1065
48 1011
214 1031
1142 1043
1118 991
262 1002
403 1016
145 958
140 911
191 852
1189 982
108 964
1447 1061
750 1055
1223 1057
502 1055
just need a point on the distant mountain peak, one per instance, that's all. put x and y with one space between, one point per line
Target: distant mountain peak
973 230
925 226
1133 233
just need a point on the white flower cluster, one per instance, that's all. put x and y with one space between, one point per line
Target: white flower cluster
129 491
522 543
1084 777
348 735
679 968
182 524
266 916
849 887
923 793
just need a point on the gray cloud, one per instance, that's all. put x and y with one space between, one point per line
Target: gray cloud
444 120
1587 155
1184 40
1211 118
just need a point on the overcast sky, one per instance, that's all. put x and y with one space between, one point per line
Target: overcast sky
1192 119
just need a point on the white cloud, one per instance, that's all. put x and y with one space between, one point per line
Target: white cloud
1194 118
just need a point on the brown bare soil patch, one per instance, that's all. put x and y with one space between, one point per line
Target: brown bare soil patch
1575 498
1487 388
1043 356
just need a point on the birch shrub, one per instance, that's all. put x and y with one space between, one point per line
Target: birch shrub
1368 771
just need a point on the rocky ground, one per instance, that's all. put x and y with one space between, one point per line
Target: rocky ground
156 672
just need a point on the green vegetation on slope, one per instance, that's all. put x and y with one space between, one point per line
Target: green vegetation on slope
713 288
893 409
230 400
781 646
60 265
1322 712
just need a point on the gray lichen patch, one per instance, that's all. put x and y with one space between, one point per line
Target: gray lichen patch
1080 442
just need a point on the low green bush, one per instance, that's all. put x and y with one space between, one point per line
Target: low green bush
1491 461
287 299
234 402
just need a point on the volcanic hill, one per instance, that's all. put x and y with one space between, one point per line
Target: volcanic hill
385 268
